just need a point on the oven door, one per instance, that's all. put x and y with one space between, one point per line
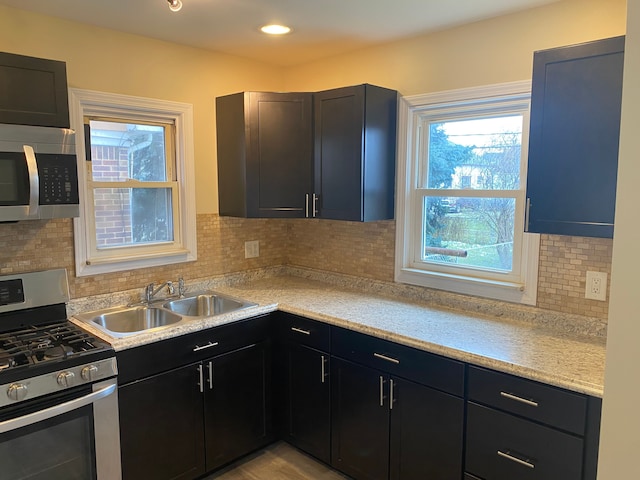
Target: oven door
69 436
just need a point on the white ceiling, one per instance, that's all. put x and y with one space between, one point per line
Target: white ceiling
321 27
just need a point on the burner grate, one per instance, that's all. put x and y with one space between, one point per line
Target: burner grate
40 343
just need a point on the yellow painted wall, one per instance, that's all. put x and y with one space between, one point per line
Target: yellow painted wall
110 61
486 52
491 51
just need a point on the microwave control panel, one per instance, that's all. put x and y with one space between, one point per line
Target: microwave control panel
58 179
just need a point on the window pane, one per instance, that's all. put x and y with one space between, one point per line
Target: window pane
481 154
132 216
121 151
469 231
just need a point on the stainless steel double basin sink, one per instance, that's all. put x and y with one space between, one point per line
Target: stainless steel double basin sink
128 320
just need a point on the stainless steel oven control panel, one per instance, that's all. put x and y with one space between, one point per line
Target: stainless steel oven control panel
53 382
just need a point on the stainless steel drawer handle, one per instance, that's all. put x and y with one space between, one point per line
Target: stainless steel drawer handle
516 398
208 345
388 359
299 330
517 460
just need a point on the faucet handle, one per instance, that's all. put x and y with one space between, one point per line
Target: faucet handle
171 288
181 287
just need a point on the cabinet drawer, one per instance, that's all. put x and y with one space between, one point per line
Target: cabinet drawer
304 331
153 358
553 406
410 363
501 446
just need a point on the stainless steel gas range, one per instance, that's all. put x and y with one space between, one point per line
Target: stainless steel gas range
58 389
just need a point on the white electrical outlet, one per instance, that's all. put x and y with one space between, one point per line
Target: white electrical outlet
596 288
252 249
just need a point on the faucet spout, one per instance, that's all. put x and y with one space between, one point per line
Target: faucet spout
150 291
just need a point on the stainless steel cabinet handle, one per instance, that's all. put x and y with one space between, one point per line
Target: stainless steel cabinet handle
210 375
516 398
388 359
526 215
200 379
306 205
315 209
34 180
381 391
517 460
323 360
299 330
391 400
208 345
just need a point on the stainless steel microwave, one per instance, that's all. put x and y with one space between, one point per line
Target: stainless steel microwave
38 173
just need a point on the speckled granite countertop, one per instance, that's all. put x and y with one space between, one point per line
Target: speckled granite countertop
537 352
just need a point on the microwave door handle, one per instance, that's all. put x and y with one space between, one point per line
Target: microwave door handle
34 181
41 415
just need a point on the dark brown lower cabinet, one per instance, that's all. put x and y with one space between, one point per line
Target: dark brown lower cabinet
360 421
388 427
503 446
237 405
182 423
307 415
161 428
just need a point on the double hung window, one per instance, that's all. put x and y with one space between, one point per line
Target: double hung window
462 193
137 183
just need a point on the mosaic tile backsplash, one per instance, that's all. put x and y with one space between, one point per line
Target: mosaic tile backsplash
360 249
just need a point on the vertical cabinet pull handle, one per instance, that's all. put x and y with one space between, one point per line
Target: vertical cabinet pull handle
381 391
509 456
391 399
200 379
315 208
306 205
210 375
526 215
322 370
516 398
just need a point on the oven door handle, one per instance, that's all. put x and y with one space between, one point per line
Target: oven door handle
39 416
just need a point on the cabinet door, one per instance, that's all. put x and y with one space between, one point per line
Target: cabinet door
161 432
280 154
265 153
308 401
573 146
33 91
360 423
237 404
354 157
426 432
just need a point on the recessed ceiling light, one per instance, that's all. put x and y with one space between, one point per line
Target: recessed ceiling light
175 5
275 29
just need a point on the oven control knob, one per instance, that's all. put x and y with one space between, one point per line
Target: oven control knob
89 372
17 391
65 379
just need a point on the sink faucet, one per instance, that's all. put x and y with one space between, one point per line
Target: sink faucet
149 291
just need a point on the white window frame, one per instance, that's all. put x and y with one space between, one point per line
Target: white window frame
90 261
518 287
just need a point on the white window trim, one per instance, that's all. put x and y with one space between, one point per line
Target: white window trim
90 103
409 110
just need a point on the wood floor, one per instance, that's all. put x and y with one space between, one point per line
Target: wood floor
279 461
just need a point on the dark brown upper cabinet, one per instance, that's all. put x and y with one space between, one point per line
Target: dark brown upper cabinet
327 155
355 152
33 91
576 100
265 149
